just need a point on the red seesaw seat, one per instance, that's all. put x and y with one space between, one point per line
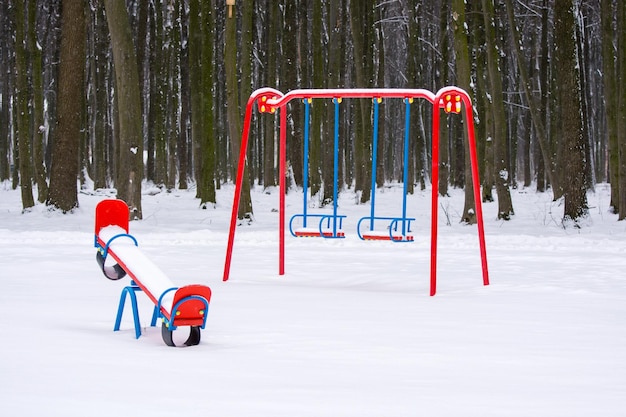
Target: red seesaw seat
184 306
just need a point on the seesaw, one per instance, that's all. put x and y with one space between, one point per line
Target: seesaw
184 306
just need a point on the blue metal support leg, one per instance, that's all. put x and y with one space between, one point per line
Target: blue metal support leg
130 291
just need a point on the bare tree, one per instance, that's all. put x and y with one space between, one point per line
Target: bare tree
363 39
609 77
6 61
63 193
621 108
463 77
570 114
38 129
22 107
502 172
234 113
535 111
130 165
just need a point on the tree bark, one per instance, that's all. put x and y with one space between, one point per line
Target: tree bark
209 141
234 118
183 138
22 107
502 174
444 128
37 106
621 106
201 59
99 104
130 162
332 79
290 71
571 132
535 111
157 142
173 97
463 76
63 192
270 172
317 124
5 88
362 28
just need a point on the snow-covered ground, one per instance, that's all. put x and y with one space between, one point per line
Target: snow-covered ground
350 330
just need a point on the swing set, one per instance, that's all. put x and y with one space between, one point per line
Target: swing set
268 100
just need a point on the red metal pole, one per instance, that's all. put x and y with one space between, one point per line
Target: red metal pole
237 196
467 102
282 172
435 196
240 168
476 182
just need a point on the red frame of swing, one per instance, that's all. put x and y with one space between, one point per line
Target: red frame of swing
447 98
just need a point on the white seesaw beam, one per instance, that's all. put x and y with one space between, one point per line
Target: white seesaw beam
142 270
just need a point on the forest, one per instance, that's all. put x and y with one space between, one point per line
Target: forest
115 93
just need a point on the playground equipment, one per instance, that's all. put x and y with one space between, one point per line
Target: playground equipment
184 306
399 228
450 99
329 226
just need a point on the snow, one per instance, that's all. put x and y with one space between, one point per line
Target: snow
349 330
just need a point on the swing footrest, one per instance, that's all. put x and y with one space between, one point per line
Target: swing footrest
311 232
329 226
373 235
398 229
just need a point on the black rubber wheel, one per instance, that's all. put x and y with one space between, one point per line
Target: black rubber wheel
194 336
113 272
166 333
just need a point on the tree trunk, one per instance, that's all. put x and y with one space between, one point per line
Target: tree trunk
130 162
208 138
234 118
502 174
65 157
317 123
621 107
270 173
183 138
444 128
484 127
37 106
201 98
332 79
157 142
362 28
416 169
22 99
544 86
571 124
6 32
290 71
5 89
99 97
173 98
535 111
463 76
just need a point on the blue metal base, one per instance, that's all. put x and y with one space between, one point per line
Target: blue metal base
130 292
